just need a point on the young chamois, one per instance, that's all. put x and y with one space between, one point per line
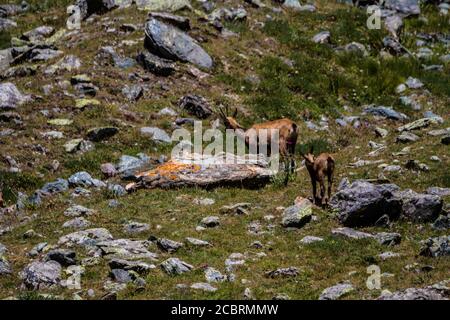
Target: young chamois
320 167
288 134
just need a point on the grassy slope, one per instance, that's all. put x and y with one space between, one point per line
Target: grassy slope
320 82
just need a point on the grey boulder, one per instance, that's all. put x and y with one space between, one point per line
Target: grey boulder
86 238
84 179
420 207
298 215
78 211
171 43
168 245
51 188
436 247
414 294
65 257
41 275
405 7
156 134
10 96
362 203
5 268
385 112
196 106
175 266
156 65
336 292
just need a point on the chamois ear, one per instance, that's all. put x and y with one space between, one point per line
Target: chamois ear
221 112
235 113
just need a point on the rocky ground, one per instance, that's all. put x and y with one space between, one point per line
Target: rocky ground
81 111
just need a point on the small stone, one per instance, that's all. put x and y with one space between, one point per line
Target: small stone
336 292
155 64
100 134
198 242
256 245
133 93
392 168
116 190
60 122
388 255
156 134
73 145
29 234
413 83
203 286
435 159
5 267
322 37
406 137
168 245
351 233
53 135
210 222
310 239
436 247
52 188
174 266
89 237
86 103
139 267
133 227
388 239
400 88
236 209
213 275
204 201
64 257
167 112
77 223
121 276
196 105
298 215
281 297
78 211
84 179
283 272
108 169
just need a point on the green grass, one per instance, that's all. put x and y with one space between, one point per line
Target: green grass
11 183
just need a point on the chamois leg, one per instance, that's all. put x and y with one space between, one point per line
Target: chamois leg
314 190
322 189
284 156
292 157
330 185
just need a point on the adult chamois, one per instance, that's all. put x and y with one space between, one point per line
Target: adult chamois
320 167
287 130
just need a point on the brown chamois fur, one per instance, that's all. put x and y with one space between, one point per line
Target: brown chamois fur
288 133
320 167
1 200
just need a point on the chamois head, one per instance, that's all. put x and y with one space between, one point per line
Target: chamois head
229 122
309 157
